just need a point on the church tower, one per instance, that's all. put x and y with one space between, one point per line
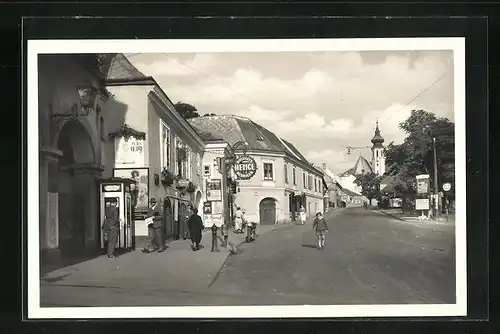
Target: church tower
378 158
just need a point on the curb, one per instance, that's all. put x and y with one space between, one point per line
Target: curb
391 215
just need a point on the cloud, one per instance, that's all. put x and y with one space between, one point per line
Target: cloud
320 101
158 65
337 160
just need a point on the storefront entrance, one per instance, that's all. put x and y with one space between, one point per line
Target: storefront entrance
267 211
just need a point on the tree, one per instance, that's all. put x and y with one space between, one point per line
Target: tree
186 110
370 185
415 154
210 114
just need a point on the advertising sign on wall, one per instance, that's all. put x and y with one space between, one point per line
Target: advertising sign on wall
214 190
245 167
139 190
129 151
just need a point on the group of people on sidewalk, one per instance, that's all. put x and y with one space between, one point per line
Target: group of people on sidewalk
195 226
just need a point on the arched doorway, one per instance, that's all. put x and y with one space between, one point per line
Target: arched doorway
267 211
343 204
168 216
76 189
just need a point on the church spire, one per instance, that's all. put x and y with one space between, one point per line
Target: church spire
377 139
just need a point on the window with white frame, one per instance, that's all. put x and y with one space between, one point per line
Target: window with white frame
166 146
268 171
178 144
315 184
207 170
304 180
294 178
186 164
286 173
198 164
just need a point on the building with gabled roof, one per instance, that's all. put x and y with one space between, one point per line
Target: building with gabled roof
284 181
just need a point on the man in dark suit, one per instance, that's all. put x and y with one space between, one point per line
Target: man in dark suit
155 229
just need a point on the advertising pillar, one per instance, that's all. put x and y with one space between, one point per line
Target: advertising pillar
422 202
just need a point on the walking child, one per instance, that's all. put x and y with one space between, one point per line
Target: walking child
321 228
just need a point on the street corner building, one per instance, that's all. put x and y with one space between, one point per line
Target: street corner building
153 144
283 180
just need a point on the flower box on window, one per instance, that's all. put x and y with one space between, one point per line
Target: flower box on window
167 178
191 187
181 154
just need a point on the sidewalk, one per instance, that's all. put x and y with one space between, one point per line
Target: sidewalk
176 268
398 214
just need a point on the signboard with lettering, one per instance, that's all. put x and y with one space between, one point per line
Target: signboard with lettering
245 167
447 186
129 151
422 204
422 184
214 190
207 208
213 219
111 188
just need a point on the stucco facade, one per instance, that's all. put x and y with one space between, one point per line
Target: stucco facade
270 196
151 112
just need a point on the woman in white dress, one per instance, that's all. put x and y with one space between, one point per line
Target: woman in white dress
302 213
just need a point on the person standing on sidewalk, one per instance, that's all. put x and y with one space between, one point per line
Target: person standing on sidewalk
111 226
321 228
302 213
238 220
155 229
195 226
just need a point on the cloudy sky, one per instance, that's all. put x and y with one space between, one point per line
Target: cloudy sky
320 101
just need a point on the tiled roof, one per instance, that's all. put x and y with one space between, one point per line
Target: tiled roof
121 68
360 165
235 128
350 192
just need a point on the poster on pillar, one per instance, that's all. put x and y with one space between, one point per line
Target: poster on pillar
139 190
52 231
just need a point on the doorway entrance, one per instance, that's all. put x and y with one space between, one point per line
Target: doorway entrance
76 189
168 218
267 211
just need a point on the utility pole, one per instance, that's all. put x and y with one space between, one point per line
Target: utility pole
436 188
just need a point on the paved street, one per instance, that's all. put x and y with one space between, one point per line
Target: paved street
368 258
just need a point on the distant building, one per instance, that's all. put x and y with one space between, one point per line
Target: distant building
284 179
362 166
334 188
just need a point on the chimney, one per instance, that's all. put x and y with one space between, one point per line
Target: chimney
324 165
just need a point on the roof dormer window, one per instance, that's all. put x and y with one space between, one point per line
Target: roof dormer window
259 136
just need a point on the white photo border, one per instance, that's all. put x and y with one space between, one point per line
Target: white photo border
60 46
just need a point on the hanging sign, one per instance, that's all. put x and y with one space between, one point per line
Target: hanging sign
447 186
245 167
